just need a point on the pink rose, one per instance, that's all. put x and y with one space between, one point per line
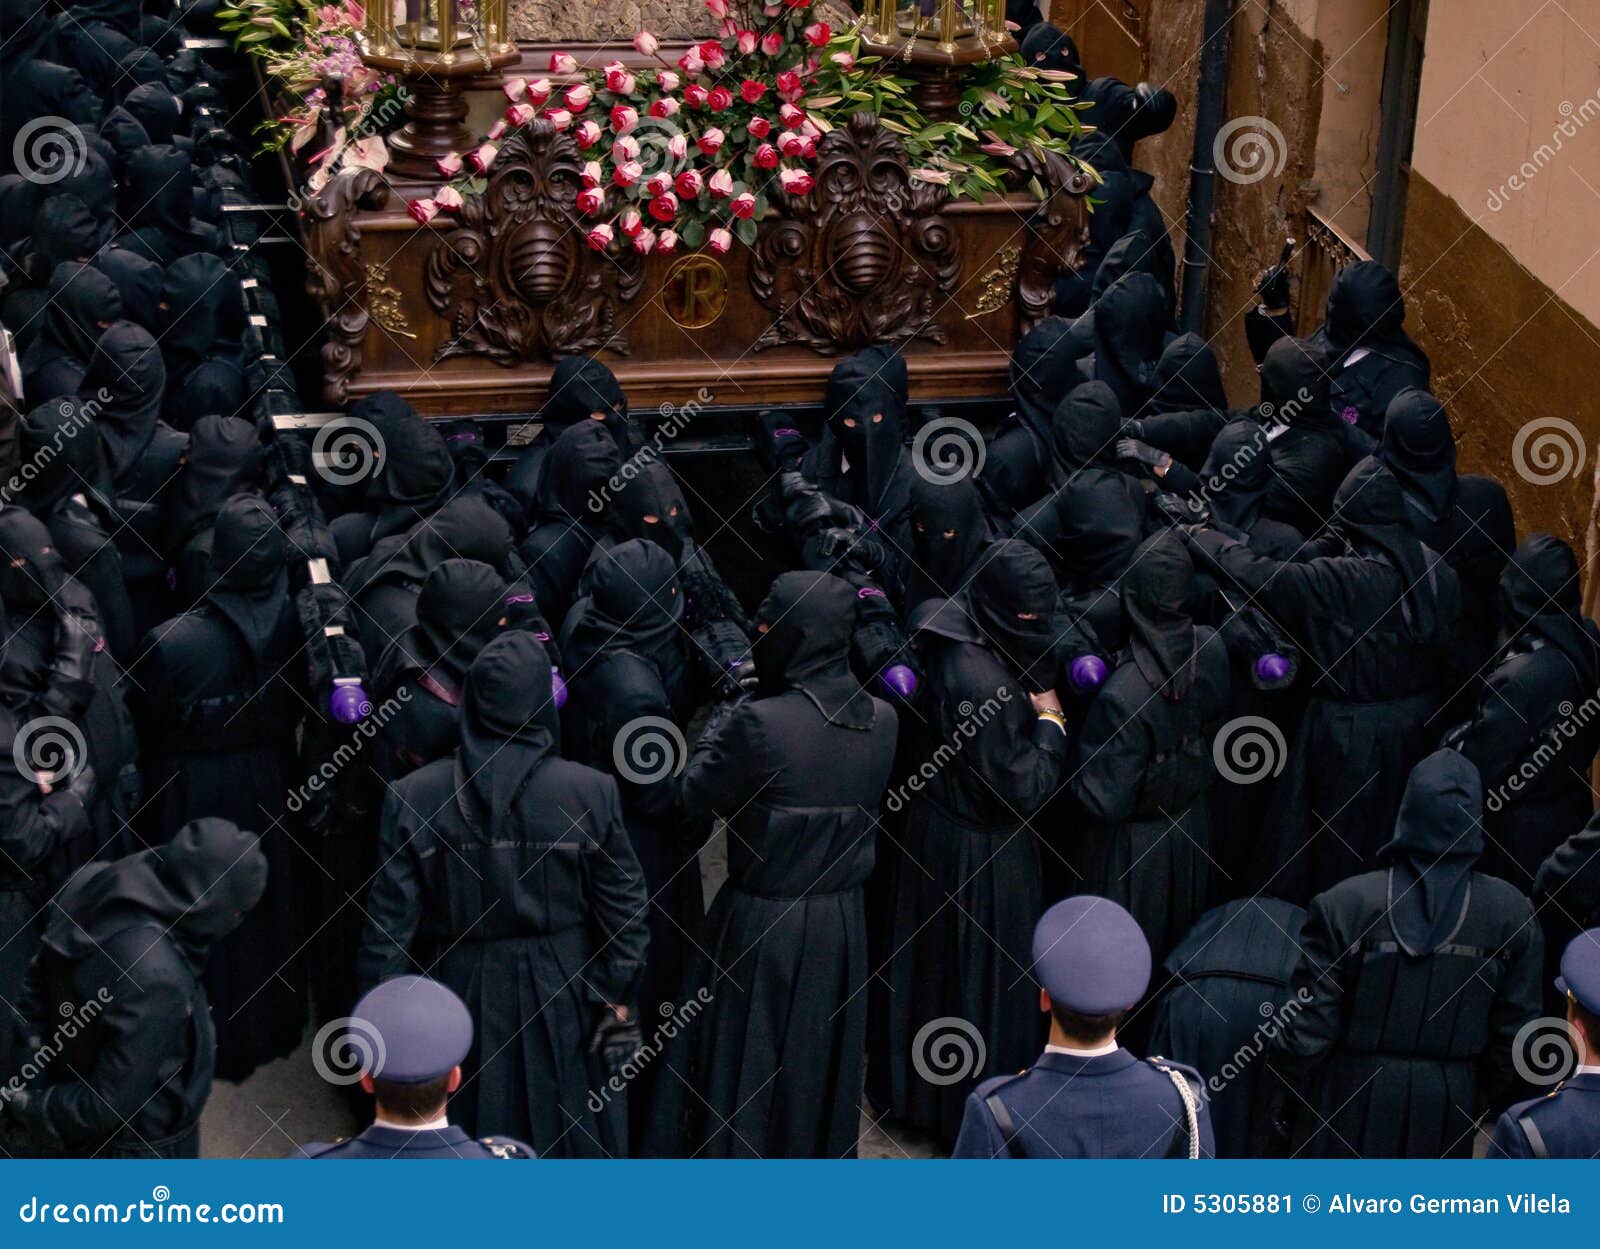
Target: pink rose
690 184
449 165
818 34
747 41
844 60
521 114
561 63
657 184
497 131
664 207
721 184
790 144
744 205
750 90
423 210
721 99
578 96
695 96
791 116
600 237
796 181
618 79
481 158
591 173
766 157
514 87
664 107
721 242
624 149
667 80
646 44
719 8
711 141
631 222
644 242
588 134
624 118
592 201
539 92
667 241
627 173
678 146
808 149
448 198
789 85
711 54
691 62
772 43
559 118
760 127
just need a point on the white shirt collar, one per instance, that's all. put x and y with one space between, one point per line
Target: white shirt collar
1100 1051
1587 1069
433 1125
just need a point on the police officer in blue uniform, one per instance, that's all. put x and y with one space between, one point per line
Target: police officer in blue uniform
1565 1123
418 1032
1087 1097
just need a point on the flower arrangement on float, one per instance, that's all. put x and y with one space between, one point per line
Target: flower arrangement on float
692 152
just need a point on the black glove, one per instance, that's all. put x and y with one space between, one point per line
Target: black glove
1273 289
1131 429
76 638
615 1040
1143 452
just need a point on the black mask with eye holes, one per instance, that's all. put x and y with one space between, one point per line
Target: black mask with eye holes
31 569
652 507
1011 601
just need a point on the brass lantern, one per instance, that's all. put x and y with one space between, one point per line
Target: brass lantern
434 45
935 41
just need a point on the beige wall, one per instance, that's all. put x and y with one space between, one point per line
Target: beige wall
1352 36
1509 96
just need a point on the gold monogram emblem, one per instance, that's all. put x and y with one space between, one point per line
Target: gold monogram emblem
695 292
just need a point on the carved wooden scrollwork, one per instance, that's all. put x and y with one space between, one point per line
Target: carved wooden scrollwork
866 257
336 277
1058 231
515 277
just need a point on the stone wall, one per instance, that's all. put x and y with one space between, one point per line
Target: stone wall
568 21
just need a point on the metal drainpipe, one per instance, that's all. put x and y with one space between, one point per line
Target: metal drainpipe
1209 104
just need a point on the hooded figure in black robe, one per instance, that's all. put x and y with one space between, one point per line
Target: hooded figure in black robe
798 770
64 489
82 304
1226 994
950 534
1130 334
1371 358
55 665
507 875
138 283
222 691
1375 613
630 691
968 890
460 610
37 90
121 129
385 585
1093 530
224 458
1466 519
133 937
159 205
580 387
577 471
1123 205
861 460
1534 730
1315 449
1415 978
19 201
126 382
1142 771
204 311
156 110
414 477
1016 470
1189 406
64 231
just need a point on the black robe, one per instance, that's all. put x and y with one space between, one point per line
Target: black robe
124 947
1130 335
414 475
1416 979
506 873
1142 771
1226 995
775 1062
224 457
221 691
576 491
1312 449
1371 358
967 889
580 386
204 313
1374 614
1016 469
80 298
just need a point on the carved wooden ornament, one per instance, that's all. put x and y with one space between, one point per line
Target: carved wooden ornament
865 258
515 278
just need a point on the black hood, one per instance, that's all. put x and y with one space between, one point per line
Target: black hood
574 484
509 727
1188 377
631 602
464 528
1295 383
159 193
1369 510
127 380
950 531
415 472
156 109
1540 595
1098 528
64 230
1133 252
27 32
1438 837
1238 473
249 572
121 129
196 889
1420 451
125 15
1365 309
580 386
460 610
1083 431
1155 598
1012 601
1043 370
865 409
1048 47
1130 333
60 440
138 282
203 303
1126 114
31 569
652 492
224 457
80 298
802 642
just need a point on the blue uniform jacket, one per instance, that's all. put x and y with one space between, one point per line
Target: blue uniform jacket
1566 1120
448 1142
1112 1106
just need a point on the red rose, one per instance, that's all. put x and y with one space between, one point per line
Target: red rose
721 99
760 127
690 184
750 91
766 157
695 96
744 205
664 207
789 83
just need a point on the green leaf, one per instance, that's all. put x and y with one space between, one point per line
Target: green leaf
693 233
745 228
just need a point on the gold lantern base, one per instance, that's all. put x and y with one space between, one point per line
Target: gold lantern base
936 49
